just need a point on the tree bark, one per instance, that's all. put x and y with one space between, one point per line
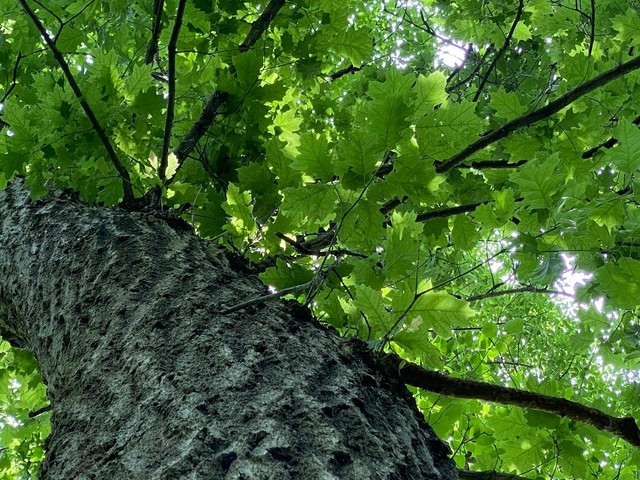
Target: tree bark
147 379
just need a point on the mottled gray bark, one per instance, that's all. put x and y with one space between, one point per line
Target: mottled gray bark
147 380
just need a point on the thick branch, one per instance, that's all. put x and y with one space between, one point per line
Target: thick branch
497 56
261 24
64 66
171 100
539 114
626 428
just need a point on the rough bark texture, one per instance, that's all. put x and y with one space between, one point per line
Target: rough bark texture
148 380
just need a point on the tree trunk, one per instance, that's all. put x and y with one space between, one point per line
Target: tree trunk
147 379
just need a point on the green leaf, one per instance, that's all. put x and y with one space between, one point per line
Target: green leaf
286 274
297 199
429 91
507 104
539 182
441 312
627 25
313 157
620 282
608 211
464 233
625 155
239 207
354 44
371 303
138 81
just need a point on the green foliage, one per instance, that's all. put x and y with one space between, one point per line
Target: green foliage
335 121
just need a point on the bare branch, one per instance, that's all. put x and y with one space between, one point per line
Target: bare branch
261 24
152 49
500 52
64 66
541 113
412 374
171 100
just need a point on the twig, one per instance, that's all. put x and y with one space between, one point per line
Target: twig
525 289
171 99
412 374
541 113
273 296
152 49
500 52
450 88
260 25
64 66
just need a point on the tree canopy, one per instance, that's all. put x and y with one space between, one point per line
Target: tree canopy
453 182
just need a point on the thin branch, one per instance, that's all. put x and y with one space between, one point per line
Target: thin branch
14 78
412 374
493 164
171 100
539 114
274 296
64 66
592 33
525 289
345 71
195 133
448 212
156 28
417 295
217 99
40 411
488 475
450 88
261 24
609 143
500 52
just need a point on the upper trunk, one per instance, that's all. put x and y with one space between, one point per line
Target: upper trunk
148 380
